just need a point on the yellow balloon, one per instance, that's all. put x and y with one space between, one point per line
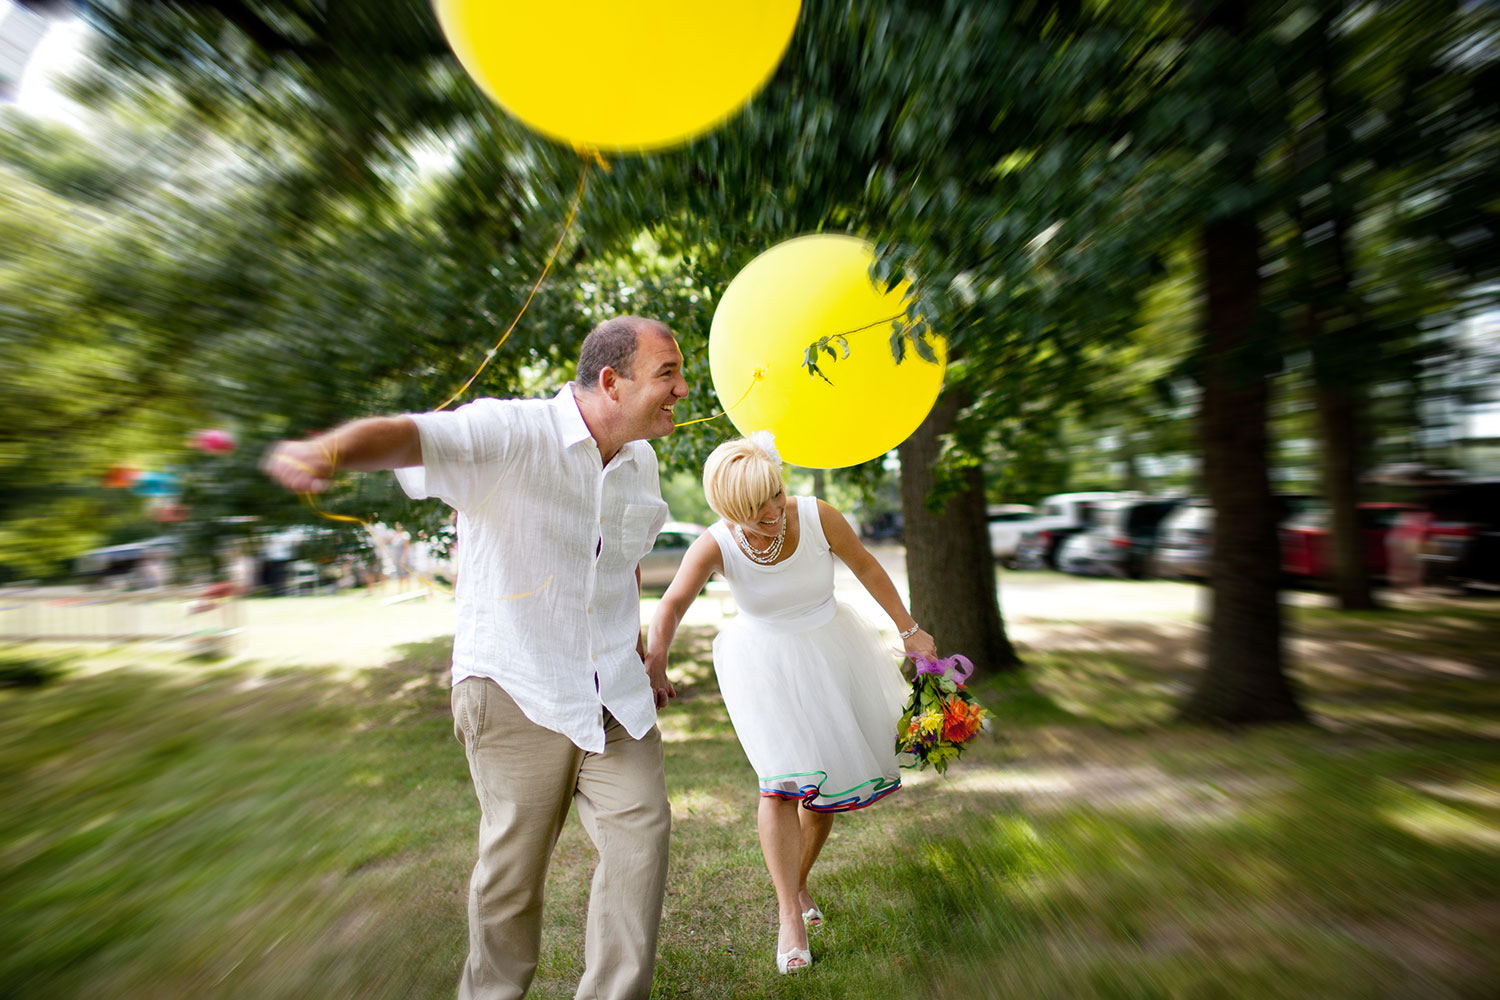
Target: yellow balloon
619 75
792 295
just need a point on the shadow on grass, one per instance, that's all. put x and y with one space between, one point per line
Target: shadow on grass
19 671
1413 672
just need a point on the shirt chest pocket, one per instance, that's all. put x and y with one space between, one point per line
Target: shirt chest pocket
637 521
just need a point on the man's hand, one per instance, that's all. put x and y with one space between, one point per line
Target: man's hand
661 687
300 466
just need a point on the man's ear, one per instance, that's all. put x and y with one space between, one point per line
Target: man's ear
609 381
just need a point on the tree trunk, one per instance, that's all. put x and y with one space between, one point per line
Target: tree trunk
948 562
1244 679
1339 408
1336 328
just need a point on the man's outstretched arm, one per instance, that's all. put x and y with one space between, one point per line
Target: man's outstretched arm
362 445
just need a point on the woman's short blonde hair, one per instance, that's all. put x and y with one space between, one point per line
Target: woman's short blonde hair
738 479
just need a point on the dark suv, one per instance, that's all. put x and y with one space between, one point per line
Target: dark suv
1462 545
1123 537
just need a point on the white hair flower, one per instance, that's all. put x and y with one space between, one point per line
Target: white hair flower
766 442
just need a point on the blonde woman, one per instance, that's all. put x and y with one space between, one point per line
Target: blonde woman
813 693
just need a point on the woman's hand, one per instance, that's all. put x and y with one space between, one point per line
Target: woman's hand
656 673
921 643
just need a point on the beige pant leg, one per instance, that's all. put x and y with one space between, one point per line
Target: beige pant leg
524 777
622 801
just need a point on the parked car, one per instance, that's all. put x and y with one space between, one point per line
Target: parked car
1062 516
1185 539
885 527
1305 540
1184 542
1006 521
1122 538
660 564
1076 556
120 563
1462 547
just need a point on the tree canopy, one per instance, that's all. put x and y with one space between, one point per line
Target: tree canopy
305 212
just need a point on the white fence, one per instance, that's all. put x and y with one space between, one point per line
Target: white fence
203 617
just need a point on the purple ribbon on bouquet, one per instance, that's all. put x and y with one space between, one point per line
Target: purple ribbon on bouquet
957 666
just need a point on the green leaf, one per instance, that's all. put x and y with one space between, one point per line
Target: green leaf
898 343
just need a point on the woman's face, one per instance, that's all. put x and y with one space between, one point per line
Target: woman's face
769 518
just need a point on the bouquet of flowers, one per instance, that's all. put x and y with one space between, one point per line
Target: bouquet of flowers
941 716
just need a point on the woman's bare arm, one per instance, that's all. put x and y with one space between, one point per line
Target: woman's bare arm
702 558
873 577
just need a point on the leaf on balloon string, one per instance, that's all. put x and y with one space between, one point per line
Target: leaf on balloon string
924 349
810 362
898 342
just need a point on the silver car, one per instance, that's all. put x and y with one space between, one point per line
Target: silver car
660 564
1185 541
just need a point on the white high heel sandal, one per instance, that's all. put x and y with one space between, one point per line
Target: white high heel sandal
784 960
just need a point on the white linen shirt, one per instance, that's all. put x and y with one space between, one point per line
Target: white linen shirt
548 543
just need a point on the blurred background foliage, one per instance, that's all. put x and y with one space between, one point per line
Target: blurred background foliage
283 214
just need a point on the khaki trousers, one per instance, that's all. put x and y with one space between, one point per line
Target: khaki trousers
526 777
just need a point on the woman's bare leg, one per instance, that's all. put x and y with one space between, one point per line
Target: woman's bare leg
781 843
815 828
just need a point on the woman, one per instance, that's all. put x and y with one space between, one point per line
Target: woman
812 692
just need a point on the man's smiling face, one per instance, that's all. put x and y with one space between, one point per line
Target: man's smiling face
655 386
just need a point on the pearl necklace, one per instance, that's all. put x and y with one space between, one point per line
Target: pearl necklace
769 555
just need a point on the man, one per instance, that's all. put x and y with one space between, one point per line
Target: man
558 500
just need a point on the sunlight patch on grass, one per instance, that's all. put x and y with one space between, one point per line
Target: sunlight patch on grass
1140 789
701 805
1440 824
1107 687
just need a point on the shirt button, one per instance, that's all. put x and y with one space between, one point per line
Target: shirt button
591 610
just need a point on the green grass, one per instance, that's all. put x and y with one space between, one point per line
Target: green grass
177 829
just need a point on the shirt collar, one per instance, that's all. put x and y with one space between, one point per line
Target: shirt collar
574 431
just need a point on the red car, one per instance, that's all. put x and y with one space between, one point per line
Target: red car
1305 548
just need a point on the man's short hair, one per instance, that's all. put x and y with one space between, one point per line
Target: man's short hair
611 344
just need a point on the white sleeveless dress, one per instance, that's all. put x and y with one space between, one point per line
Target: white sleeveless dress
813 693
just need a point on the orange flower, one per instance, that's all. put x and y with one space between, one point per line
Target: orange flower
961 720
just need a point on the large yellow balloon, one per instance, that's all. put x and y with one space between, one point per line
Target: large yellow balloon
792 295
620 75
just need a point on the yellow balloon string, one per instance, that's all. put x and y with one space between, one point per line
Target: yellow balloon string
591 153
755 377
330 455
591 158
583 178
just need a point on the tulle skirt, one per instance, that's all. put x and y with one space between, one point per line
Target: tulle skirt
815 711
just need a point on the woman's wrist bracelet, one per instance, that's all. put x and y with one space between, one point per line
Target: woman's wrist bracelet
911 631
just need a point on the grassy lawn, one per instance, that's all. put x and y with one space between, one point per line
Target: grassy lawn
177 829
